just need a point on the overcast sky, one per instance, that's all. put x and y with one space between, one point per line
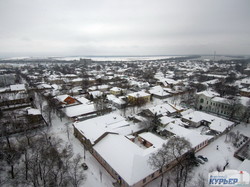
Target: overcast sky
123 27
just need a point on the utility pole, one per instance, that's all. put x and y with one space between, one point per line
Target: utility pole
214 55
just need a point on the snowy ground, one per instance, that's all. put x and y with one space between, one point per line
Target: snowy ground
96 174
215 157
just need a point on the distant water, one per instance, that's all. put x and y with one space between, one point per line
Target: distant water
127 58
116 58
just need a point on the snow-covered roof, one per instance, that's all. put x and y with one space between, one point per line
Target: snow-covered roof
216 123
115 89
194 137
77 80
158 90
245 90
111 97
220 100
244 100
214 81
83 100
3 89
96 94
162 109
165 120
139 94
114 99
62 98
33 111
208 93
243 81
153 139
93 128
167 81
241 99
78 110
44 86
17 87
125 157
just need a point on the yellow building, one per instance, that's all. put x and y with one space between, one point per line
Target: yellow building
115 91
139 97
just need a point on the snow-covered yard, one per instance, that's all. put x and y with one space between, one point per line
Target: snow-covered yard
215 157
96 174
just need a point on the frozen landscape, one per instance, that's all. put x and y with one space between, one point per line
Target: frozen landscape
114 116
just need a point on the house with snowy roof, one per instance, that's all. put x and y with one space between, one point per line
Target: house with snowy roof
118 102
17 87
34 115
95 128
123 152
80 111
232 108
65 99
14 96
115 91
245 92
54 79
44 86
215 123
94 94
168 83
159 92
165 109
139 96
197 140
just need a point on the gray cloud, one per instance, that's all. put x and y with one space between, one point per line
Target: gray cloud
117 27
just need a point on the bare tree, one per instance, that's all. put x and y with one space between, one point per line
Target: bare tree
76 173
174 153
235 108
100 104
200 181
48 112
160 159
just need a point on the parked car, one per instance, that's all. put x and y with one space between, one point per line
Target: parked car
195 163
84 165
203 158
200 160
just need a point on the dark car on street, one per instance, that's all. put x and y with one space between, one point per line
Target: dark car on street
203 158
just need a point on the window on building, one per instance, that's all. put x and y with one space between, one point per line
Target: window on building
201 100
152 176
144 180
